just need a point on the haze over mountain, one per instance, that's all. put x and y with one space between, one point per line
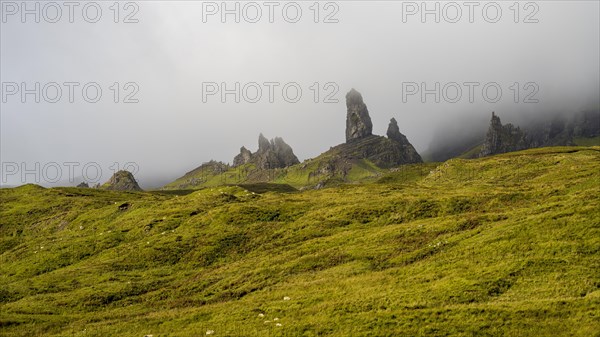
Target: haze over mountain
299 168
364 156
170 52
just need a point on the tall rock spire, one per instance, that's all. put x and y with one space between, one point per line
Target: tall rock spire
358 121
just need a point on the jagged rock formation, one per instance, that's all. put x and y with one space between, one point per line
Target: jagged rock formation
358 121
363 154
263 143
283 152
83 185
362 149
243 158
122 181
545 129
270 155
408 154
503 138
393 132
362 144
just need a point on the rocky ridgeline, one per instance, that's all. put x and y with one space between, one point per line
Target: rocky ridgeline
270 154
361 144
559 131
122 181
502 138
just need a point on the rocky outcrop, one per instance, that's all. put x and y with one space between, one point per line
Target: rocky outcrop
358 121
243 158
263 143
83 185
503 138
283 152
393 132
381 151
362 149
362 144
270 155
408 153
122 181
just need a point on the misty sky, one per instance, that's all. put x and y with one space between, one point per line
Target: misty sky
171 52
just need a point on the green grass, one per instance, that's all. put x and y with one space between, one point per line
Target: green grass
472 153
507 245
307 174
590 141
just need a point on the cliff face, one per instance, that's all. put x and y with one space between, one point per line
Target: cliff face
271 154
503 138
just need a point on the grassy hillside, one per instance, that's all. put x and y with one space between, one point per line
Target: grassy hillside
507 245
328 169
472 153
587 141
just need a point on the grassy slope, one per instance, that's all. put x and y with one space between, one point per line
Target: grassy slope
505 245
586 141
297 176
472 153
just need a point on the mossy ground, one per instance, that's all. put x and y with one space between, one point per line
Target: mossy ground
501 246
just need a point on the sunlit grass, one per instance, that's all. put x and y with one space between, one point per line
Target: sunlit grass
505 245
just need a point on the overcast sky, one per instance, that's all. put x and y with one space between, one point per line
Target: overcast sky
170 52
